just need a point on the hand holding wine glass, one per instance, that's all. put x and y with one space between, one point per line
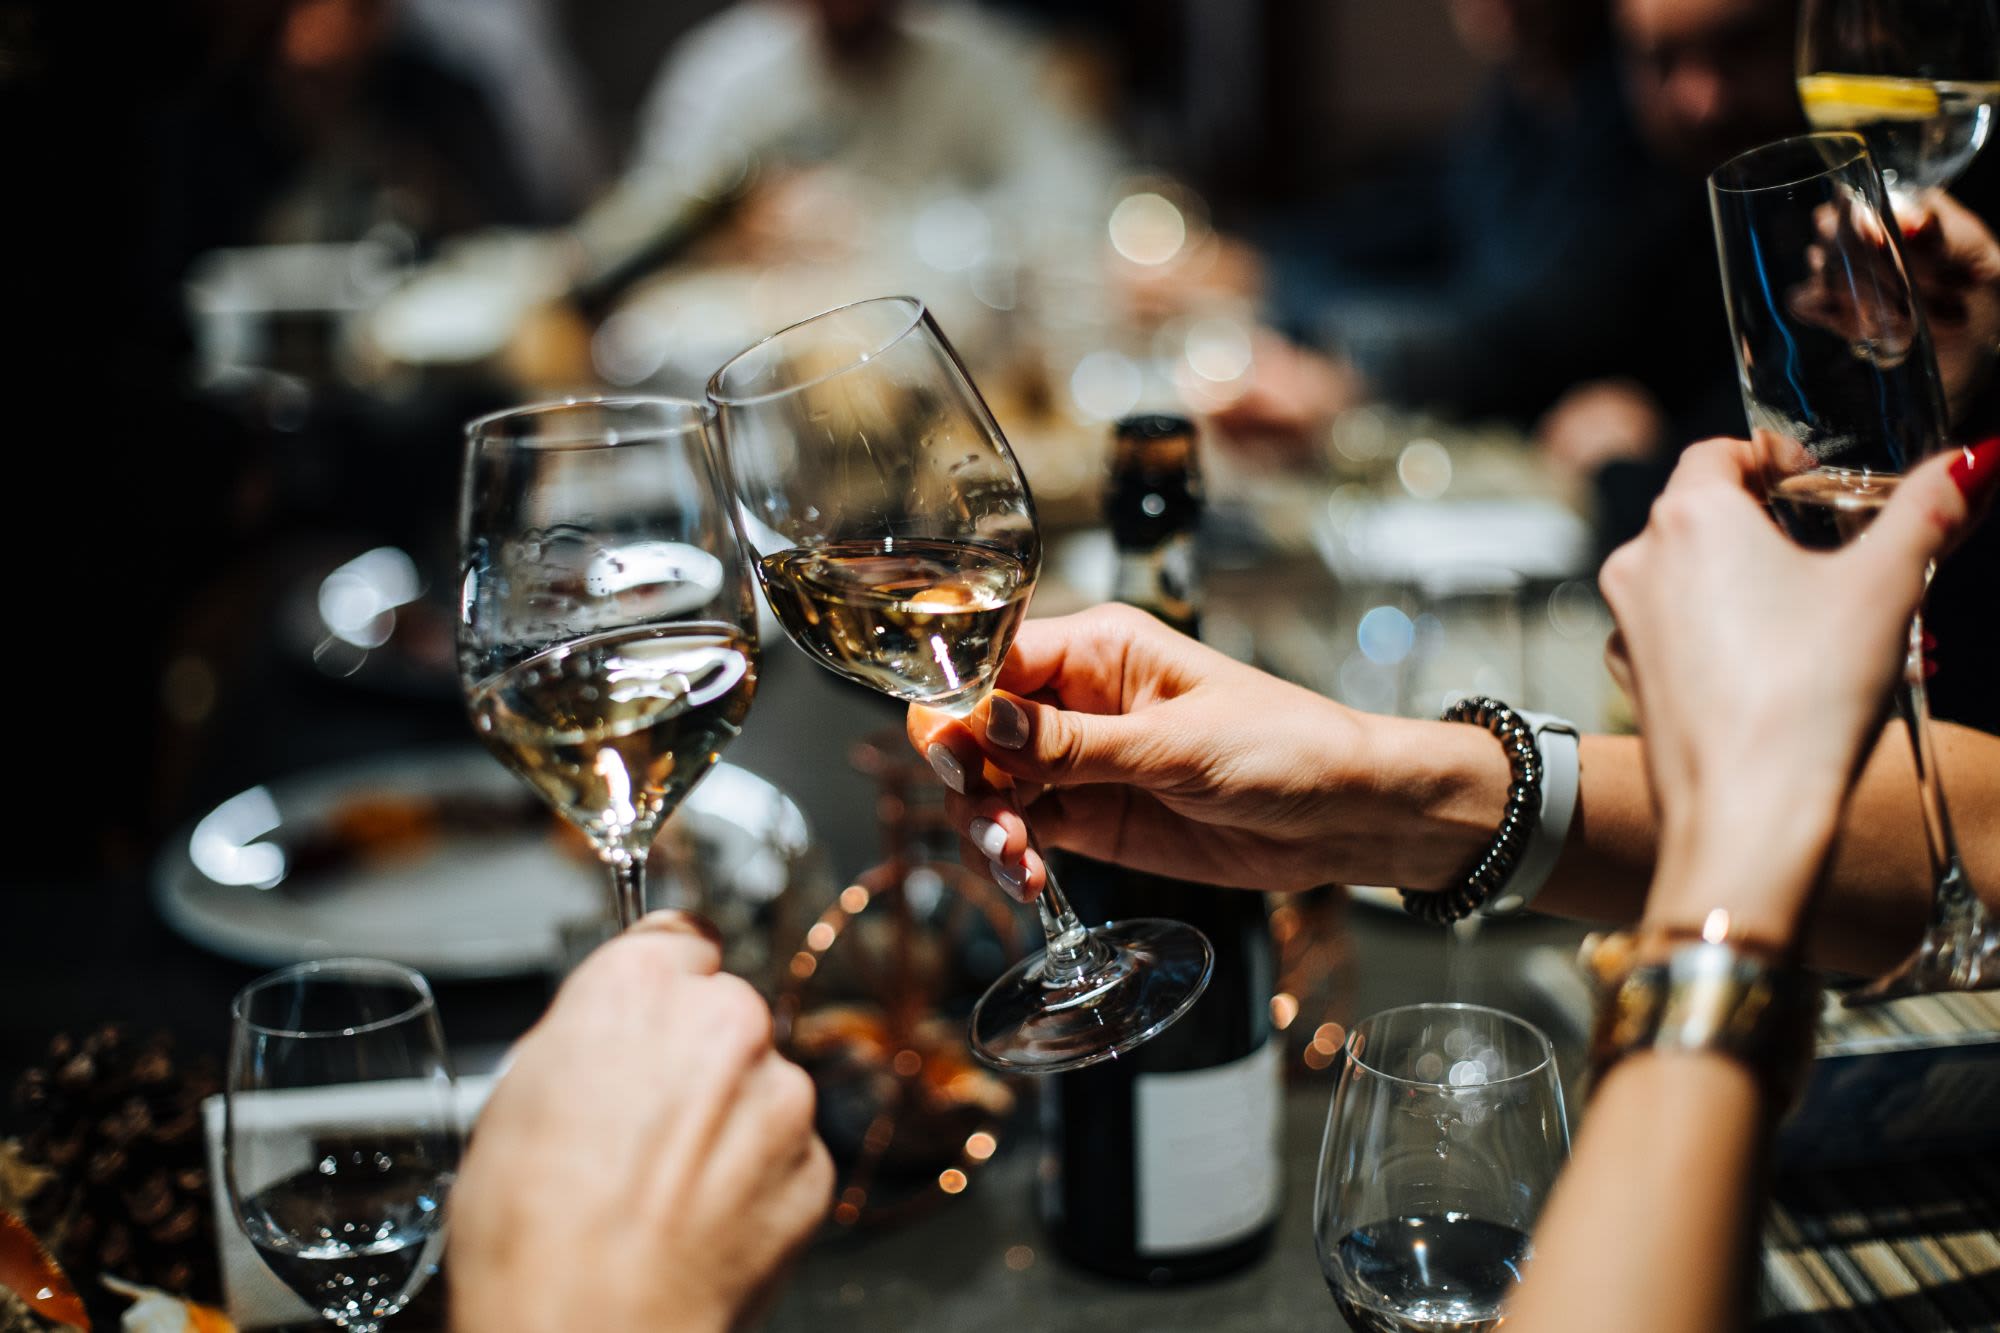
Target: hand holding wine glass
341 1137
896 540
607 637
648 1161
1841 388
1826 631
1128 742
1954 265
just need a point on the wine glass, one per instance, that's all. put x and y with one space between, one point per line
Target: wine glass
341 1134
1443 1140
895 538
1919 78
1841 387
607 633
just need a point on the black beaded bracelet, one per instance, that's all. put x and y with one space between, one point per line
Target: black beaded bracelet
1495 865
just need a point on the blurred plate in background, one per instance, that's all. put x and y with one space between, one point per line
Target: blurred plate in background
442 860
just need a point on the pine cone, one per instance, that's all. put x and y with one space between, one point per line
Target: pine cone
14 1315
119 1122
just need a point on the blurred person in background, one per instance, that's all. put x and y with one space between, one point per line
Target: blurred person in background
1500 267
844 108
152 137
1577 285
348 114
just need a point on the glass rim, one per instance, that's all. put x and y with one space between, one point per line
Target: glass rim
1850 139
918 312
419 985
1548 1047
693 417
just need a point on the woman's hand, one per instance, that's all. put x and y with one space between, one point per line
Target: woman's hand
647 1162
1954 265
1139 745
1761 671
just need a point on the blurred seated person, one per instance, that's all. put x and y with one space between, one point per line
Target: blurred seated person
1709 79
845 109
1503 266
335 116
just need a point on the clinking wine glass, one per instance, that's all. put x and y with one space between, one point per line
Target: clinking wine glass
1841 386
1443 1140
607 633
895 538
341 1135
1919 78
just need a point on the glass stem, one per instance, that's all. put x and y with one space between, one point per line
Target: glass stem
1959 947
628 886
1073 953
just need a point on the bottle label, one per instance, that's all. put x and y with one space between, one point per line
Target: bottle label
1206 1153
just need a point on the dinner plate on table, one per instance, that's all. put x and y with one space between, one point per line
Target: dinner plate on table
444 861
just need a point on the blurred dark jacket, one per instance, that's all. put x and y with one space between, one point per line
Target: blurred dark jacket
1539 247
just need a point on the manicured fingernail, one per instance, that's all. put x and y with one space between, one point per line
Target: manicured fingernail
1976 469
988 837
1007 723
945 764
676 921
1013 879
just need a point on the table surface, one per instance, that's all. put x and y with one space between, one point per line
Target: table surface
96 952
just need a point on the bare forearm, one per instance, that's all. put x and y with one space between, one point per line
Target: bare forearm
1650 1229
1871 907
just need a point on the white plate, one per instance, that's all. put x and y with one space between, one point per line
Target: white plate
1407 541
461 904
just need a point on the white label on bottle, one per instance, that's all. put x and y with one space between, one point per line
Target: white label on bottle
1206 1156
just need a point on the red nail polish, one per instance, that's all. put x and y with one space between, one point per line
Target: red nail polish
1977 470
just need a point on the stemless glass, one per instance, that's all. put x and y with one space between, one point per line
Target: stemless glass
607 633
895 538
341 1133
1443 1140
1920 78
1841 387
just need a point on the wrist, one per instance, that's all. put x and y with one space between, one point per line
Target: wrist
1435 793
1756 861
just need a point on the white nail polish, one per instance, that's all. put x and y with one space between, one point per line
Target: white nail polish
988 837
945 764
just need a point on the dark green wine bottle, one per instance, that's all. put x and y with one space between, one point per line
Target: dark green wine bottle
1163 1165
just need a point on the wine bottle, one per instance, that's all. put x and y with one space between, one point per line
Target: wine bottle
1163 1165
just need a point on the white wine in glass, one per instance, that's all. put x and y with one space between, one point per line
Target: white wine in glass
1919 78
896 540
921 620
607 631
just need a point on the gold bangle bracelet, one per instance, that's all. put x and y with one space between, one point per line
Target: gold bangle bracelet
1706 997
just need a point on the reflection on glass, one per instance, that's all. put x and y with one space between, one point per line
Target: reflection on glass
1443 1139
898 545
607 635
1919 78
1842 391
341 1135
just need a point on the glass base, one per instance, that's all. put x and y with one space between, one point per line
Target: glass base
1149 973
1959 952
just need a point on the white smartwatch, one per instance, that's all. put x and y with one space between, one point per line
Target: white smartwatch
1556 738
